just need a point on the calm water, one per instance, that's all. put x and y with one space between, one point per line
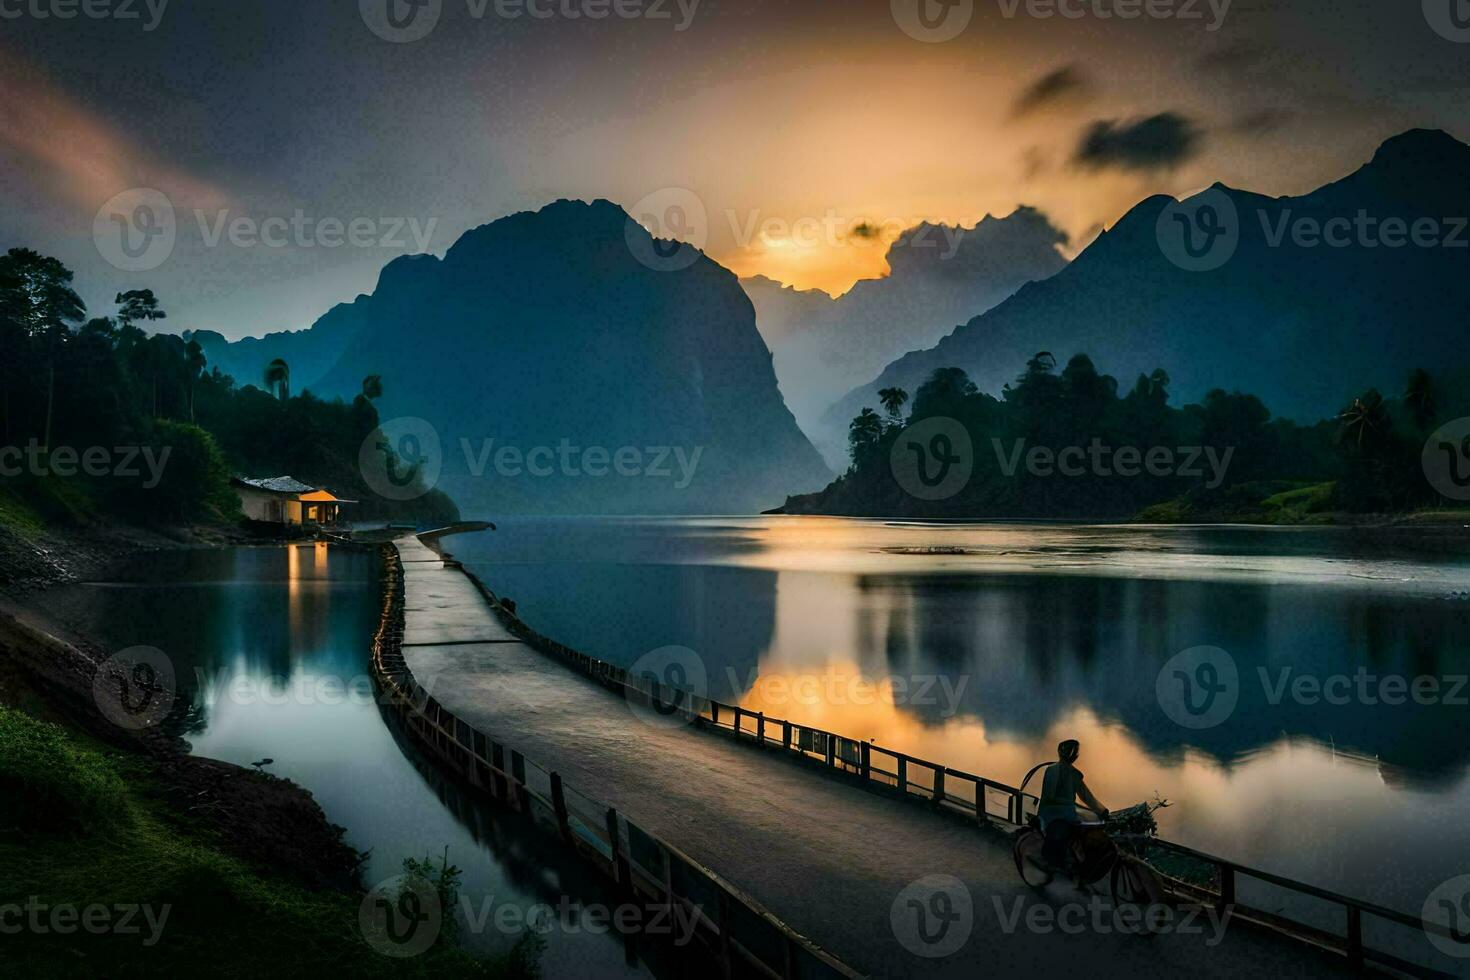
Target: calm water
271 650
985 656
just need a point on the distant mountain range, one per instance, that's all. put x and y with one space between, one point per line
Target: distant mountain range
561 374
1304 320
940 275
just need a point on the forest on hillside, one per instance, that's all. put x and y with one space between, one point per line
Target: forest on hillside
99 417
1069 444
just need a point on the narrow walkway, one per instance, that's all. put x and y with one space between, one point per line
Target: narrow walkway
827 857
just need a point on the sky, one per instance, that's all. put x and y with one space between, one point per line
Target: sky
266 158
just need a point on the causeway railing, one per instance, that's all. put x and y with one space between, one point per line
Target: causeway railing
741 935
1337 925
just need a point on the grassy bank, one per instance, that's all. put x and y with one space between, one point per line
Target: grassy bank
92 827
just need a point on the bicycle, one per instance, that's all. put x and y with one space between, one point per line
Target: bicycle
1100 849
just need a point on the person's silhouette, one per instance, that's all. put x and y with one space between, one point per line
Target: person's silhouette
1060 789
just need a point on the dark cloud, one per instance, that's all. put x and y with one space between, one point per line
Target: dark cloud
1158 142
866 231
1261 122
1063 84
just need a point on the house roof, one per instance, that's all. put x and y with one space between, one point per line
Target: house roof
323 497
276 484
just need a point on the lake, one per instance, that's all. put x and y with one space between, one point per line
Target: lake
1336 750
271 647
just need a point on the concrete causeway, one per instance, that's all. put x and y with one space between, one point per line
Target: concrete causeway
824 855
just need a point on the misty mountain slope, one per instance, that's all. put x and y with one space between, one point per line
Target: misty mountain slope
1306 327
940 275
310 352
543 329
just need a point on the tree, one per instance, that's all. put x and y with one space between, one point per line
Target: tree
863 434
278 379
893 401
1365 422
372 387
1419 396
40 296
138 304
195 362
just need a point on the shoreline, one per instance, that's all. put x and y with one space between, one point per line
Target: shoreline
47 665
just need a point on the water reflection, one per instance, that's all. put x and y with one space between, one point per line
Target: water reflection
270 646
1042 632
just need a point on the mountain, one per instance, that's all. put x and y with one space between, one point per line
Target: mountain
1304 323
311 353
563 368
939 275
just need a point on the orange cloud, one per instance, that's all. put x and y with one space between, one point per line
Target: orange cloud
85 160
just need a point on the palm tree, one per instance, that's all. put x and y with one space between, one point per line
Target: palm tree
893 401
1419 396
372 387
278 379
1365 419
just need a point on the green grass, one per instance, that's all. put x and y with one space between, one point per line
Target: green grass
84 825
1304 505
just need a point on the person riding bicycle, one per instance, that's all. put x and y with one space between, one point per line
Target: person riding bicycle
1060 788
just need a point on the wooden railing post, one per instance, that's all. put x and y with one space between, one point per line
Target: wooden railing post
831 749
1355 937
786 735
867 764
903 774
559 805
714 713
621 871
760 727
1227 887
938 786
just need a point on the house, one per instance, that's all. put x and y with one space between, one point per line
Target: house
285 500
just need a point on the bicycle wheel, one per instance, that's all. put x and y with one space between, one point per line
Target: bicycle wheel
1137 893
1030 864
